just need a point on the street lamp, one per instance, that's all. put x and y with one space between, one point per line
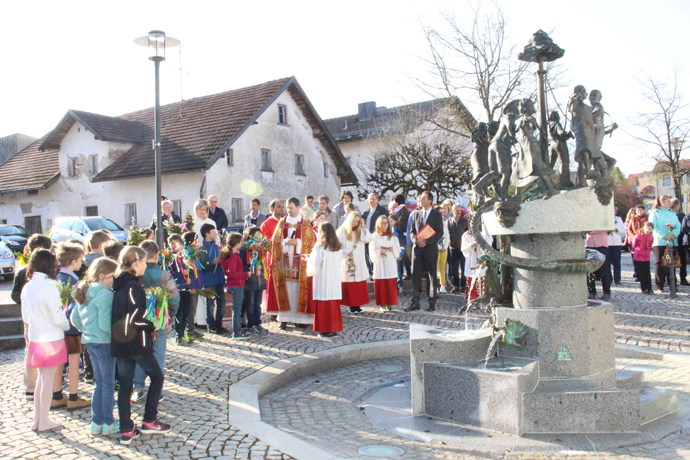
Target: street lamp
156 42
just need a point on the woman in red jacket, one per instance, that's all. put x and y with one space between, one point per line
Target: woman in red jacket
235 276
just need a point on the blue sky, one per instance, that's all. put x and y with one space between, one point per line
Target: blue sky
79 55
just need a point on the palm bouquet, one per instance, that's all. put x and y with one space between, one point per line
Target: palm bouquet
157 307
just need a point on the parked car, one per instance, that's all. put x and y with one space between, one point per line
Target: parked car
15 236
6 261
66 228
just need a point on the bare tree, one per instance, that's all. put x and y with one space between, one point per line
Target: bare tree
476 60
664 128
411 155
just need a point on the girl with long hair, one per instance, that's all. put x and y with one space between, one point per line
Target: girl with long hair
384 252
324 264
355 273
93 317
42 312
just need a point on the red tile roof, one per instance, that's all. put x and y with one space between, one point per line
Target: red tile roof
29 169
208 126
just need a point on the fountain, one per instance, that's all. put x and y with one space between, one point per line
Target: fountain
554 367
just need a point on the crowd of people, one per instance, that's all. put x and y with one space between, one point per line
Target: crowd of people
96 305
300 263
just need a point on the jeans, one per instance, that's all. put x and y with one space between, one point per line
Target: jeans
159 345
253 301
125 368
604 271
237 298
400 272
457 266
103 399
214 322
183 313
615 252
191 316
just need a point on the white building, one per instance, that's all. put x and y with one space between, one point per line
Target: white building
369 132
264 141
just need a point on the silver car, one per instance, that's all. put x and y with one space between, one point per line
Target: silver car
79 228
6 262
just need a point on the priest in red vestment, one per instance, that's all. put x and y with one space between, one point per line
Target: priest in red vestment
268 228
293 238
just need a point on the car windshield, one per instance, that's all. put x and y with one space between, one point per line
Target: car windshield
107 224
11 230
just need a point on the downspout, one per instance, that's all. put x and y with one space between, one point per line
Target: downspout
203 183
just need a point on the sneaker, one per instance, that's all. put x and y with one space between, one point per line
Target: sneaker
111 429
88 377
29 396
154 427
126 438
382 309
195 335
241 336
261 330
78 404
442 289
650 292
253 331
222 330
137 396
212 330
183 342
55 403
161 399
96 429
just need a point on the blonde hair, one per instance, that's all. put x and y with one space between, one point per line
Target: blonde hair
100 266
128 257
198 204
66 253
347 226
379 226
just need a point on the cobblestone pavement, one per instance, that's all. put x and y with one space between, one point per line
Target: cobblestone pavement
197 379
326 403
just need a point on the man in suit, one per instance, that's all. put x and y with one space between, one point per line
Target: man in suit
254 218
425 252
373 212
217 214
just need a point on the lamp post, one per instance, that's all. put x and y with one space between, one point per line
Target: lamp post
156 42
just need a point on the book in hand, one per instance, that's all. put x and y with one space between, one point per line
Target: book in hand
426 232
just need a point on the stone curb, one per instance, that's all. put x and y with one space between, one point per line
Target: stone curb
244 412
638 352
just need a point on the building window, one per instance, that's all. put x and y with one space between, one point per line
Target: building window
130 214
93 163
282 115
73 167
177 207
91 211
237 209
266 160
229 157
32 192
299 165
4 221
667 180
325 170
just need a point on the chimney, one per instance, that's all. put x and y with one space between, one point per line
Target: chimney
366 110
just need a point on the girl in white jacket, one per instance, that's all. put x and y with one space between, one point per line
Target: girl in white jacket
384 252
355 273
324 265
443 245
42 312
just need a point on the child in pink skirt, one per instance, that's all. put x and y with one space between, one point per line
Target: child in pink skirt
42 312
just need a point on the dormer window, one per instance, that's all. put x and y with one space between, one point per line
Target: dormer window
282 114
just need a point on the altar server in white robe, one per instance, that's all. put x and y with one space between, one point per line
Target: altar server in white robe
353 235
324 264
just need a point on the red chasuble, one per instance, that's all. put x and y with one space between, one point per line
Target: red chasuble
268 228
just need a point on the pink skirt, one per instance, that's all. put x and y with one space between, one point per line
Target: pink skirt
46 354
